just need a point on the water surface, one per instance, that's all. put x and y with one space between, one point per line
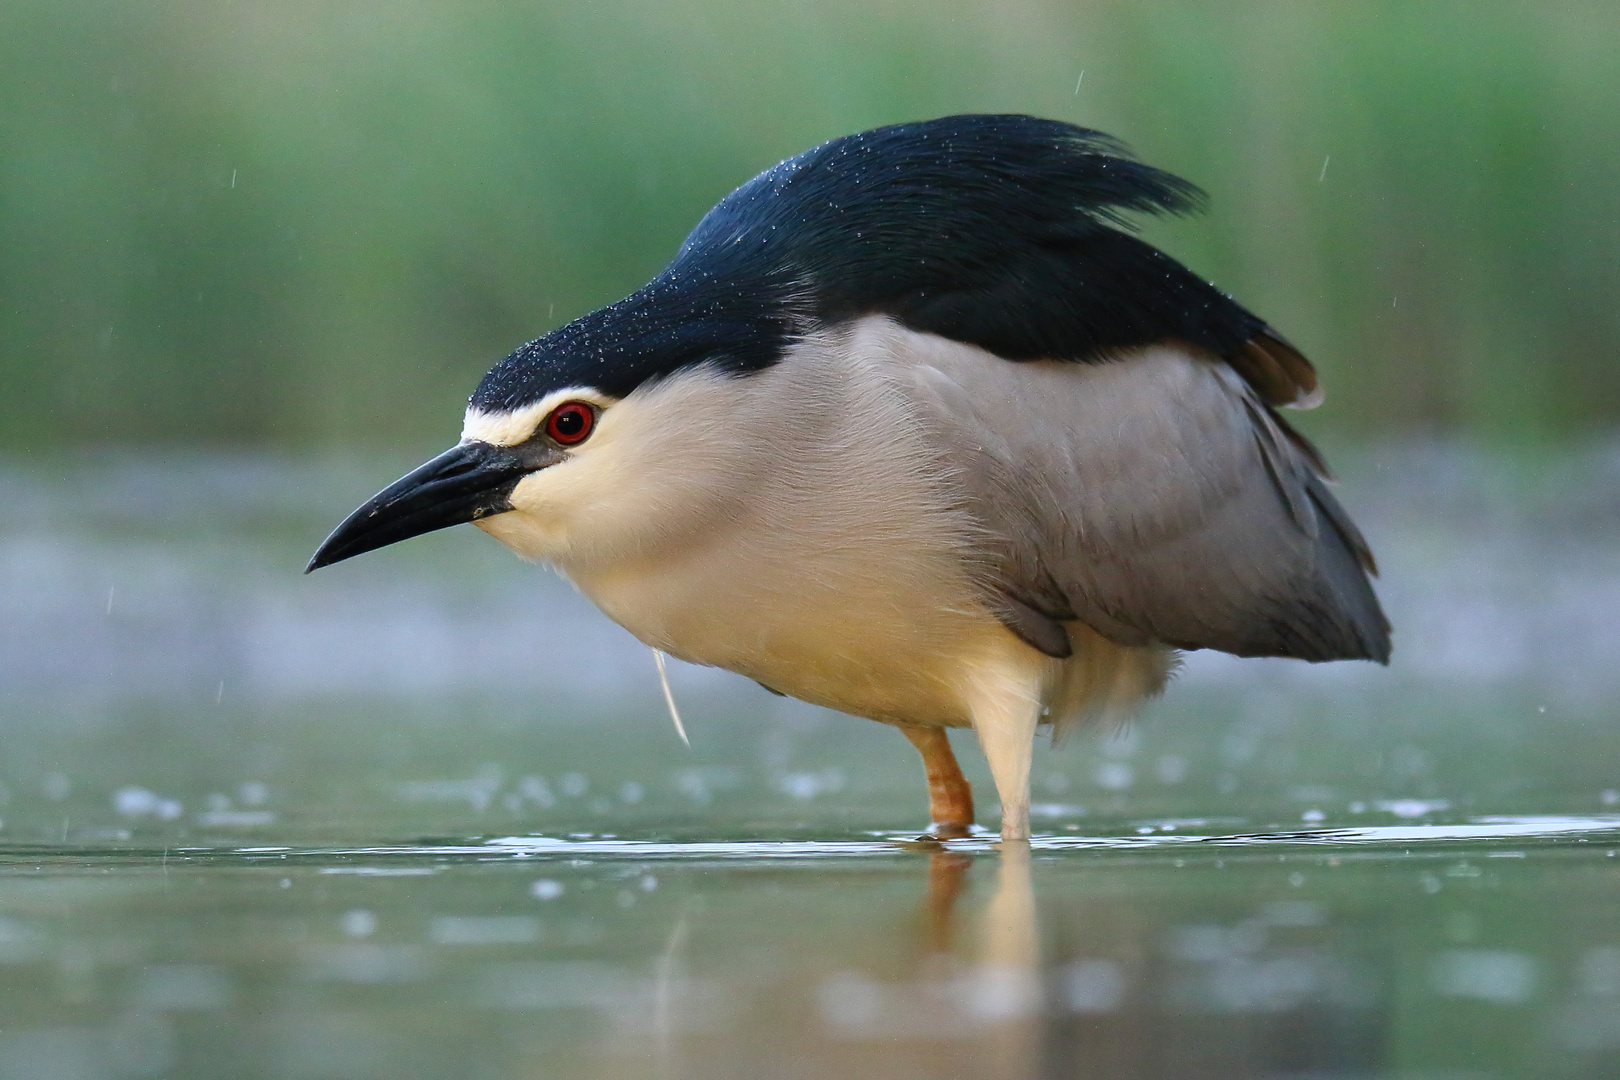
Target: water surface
424 814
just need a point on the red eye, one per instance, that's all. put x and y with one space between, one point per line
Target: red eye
570 423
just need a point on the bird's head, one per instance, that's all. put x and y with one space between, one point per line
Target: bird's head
577 471
597 437
478 478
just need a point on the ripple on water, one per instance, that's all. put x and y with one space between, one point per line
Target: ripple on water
1522 831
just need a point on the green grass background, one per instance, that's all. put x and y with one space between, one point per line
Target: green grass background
316 224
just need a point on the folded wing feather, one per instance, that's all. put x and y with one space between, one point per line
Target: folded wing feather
1155 498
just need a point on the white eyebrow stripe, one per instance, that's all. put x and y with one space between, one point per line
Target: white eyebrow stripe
519 425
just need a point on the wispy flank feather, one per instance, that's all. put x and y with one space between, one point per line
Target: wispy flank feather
669 698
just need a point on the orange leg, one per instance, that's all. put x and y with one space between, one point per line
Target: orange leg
950 799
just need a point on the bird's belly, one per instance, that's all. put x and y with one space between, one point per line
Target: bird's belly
891 652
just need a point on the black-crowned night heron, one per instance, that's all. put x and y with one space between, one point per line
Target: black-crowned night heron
911 429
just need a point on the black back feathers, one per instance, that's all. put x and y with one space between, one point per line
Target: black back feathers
999 231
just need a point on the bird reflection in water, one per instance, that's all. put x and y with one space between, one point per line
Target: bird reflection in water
972 1002
1001 992
966 999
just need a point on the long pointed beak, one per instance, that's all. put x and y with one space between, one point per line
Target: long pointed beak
469 481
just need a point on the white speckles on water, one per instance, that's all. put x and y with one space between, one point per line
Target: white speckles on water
358 923
181 987
1412 808
1494 976
856 1006
699 784
227 819
574 784
484 930
365 963
805 786
535 789
1598 974
1049 810
379 871
1114 775
1091 987
546 889
1292 913
477 792
20 942
1590 1019
850 1002
1171 769
138 802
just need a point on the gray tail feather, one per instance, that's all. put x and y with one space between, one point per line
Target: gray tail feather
1349 623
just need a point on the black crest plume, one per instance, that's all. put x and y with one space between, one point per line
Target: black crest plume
1006 232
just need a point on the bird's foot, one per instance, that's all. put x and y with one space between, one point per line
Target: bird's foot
948 830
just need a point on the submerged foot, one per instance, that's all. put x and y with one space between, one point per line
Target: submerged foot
948 830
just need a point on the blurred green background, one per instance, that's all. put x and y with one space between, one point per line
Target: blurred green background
317 224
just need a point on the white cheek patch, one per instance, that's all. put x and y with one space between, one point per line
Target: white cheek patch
519 425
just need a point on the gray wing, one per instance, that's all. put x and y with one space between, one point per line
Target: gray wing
1154 498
